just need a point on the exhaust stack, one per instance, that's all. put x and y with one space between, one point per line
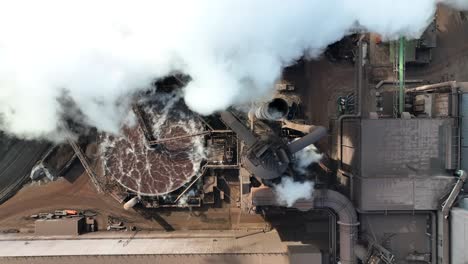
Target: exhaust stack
274 110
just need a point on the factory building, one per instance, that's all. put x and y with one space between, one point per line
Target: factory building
382 180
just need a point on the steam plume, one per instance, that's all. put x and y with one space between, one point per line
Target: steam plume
289 191
305 157
100 52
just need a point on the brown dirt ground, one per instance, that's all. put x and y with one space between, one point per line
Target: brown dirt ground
79 193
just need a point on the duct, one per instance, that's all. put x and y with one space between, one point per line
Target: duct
446 214
131 203
274 110
306 129
307 140
392 82
342 206
242 132
429 87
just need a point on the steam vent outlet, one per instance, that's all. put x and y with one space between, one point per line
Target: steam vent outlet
276 109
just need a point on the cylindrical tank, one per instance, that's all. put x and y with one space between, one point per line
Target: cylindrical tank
276 109
131 203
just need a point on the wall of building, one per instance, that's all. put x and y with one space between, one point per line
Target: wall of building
459 235
401 163
59 227
464 134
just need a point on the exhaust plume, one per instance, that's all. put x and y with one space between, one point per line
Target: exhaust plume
289 191
305 158
99 53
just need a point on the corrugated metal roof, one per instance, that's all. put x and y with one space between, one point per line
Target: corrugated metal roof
57 227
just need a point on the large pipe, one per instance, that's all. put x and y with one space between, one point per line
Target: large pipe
306 129
425 88
276 109
307 140
242 131
131 203
342 206
392 82
446 214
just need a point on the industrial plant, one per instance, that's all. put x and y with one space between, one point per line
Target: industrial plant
355 153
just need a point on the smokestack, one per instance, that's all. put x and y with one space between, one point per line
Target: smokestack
307 140
276 109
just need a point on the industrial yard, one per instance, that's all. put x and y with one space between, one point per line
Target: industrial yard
358 155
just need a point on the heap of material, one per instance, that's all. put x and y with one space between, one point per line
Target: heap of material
161 169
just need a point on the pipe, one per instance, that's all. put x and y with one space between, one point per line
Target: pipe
340 204
131 203
454 193
447 205
385 82
359 65
424 88
434 236
298 127
401 75
274 110
307 140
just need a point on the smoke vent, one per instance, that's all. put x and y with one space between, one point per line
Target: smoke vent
276 109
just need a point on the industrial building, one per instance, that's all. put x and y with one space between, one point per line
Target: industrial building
374 171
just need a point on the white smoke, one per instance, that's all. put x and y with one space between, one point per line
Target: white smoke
99 52
305 157
289 191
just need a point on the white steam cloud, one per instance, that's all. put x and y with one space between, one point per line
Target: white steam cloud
97 53
305 157
289 191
